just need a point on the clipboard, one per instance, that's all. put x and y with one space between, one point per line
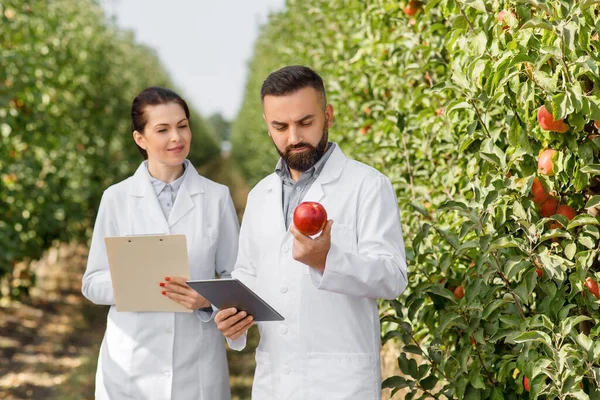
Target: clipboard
139 263
230 292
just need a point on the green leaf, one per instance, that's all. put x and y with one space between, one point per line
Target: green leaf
394 382
413 349
566 325
476 4
582 219
504 242
440 291
561 106
490 308
586 241
534 336
408 367
429 382
593 201
537 23
390 335
593 169
570 250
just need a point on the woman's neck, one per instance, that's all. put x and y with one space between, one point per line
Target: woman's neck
165 173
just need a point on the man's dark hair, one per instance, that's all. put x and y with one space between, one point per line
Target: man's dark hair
289 80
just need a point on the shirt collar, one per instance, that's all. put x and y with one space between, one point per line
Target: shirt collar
283 171
159 185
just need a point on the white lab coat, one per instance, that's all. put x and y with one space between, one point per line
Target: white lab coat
158 356
328 346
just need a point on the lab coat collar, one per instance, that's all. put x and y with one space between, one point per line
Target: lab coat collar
142 189
330 173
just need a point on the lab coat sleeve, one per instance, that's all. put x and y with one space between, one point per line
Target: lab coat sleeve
96 282
245 268
378 268
227 249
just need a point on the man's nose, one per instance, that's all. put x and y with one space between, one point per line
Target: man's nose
295 136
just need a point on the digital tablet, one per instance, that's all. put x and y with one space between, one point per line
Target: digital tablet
229 292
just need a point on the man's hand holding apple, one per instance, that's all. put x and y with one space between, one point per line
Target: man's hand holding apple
309 251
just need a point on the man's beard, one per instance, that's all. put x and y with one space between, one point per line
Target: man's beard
305 160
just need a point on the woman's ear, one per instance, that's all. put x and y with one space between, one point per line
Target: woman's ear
140 140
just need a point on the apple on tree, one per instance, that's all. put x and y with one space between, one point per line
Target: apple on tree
413 7
545 162
548 123
459 292
548 207
538 192
310 217
526 383
502 16
565 210
592 286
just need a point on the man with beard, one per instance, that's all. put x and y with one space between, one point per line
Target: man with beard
327 286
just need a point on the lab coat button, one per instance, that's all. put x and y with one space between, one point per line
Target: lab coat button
286 370
167 374
286 249
169 331
284 330
283 289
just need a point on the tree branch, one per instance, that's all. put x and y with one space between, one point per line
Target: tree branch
518 304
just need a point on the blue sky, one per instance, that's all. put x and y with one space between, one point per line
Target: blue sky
205 45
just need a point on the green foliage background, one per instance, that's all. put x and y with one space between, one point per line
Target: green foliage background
445 104
67 80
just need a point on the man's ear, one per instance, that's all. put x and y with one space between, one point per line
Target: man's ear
140 140
265 119
329 115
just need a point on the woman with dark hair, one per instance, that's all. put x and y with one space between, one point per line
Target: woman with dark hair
164 355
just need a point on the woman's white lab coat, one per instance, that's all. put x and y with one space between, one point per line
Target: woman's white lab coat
160 356
328 346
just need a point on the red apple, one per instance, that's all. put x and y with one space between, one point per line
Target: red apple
412 7
548 208
310 217
526 383
502 17
459 292
597 124
365 129
538 192
592 286
539 272
545 164
565 210
548 123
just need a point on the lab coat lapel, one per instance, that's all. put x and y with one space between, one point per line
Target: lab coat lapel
184 203
331 171
147 202
273 202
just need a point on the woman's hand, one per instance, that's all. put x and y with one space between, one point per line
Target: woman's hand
177 290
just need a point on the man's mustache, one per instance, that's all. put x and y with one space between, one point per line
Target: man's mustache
298 146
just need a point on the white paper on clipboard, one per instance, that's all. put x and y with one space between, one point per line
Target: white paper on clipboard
139 263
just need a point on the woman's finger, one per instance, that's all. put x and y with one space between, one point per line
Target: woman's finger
182 299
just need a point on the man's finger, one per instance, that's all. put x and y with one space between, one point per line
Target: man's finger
327 229
238 329
299 236
228 325
224 314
